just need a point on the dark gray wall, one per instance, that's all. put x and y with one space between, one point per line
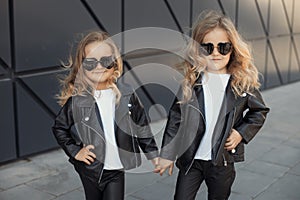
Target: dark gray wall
36 35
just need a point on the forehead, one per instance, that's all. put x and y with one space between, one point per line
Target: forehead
216 35
97 49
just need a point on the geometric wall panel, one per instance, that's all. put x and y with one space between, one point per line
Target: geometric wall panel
249 23
2 71
278 20
272 77
167 76
296 21
34 125
259 54
230 9
43 38
288 4
181 10
35 36
199 6
296 47
144 16
294 70
7 131
262 7
110 18
45 87
4 33
281 47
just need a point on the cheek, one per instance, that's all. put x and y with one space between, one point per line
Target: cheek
110 72
227 58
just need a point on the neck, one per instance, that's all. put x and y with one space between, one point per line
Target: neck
102 86
217 71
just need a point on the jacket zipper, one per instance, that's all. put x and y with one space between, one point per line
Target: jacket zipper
187 171
132 138
94 131
99 180
200 113
205 126
224 159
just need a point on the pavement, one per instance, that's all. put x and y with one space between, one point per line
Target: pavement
271 170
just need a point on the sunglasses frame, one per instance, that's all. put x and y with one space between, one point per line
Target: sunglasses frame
94 62
224 48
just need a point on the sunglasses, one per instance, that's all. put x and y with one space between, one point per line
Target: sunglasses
223 48
91 63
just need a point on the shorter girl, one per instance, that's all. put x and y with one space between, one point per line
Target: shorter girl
221 110
109 119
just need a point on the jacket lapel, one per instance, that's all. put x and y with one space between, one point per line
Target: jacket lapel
123 107
88 112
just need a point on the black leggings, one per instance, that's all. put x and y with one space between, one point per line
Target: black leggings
111 186
218 179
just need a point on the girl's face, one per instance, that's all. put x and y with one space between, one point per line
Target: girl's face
99 75
217 62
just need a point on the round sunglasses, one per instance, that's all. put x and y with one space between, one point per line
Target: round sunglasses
91 63
223 48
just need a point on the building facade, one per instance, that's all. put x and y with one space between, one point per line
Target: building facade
35 36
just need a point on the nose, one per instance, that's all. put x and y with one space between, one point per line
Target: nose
215 51
99 65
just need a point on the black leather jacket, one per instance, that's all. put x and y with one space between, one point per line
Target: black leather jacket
131 130
186 127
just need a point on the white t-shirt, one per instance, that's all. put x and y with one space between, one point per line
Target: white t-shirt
214 86
106 103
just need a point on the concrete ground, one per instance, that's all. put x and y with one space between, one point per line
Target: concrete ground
271 170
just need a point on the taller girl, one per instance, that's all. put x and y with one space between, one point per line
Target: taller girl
221 83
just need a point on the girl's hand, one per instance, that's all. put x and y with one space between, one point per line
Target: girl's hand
164 164
155 162
233 140
85 155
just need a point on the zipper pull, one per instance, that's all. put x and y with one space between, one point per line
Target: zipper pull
224 160
225 163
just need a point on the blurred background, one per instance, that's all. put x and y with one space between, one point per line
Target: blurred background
36 36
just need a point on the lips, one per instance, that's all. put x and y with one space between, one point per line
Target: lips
99 72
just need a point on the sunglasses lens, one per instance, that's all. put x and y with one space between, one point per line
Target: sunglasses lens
224 48
209 48
89 64
107 62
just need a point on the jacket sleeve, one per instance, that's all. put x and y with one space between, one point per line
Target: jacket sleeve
171 137
62 130
254 117
143 131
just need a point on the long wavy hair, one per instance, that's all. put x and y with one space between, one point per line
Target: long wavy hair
243 73
76 83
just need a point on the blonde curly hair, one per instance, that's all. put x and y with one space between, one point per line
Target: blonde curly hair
76 83
243 72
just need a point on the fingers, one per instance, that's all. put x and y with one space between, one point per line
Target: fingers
162 171
89 147
157 169
92 154
86 161
233 140
85 155
230 144
171 170
155 161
